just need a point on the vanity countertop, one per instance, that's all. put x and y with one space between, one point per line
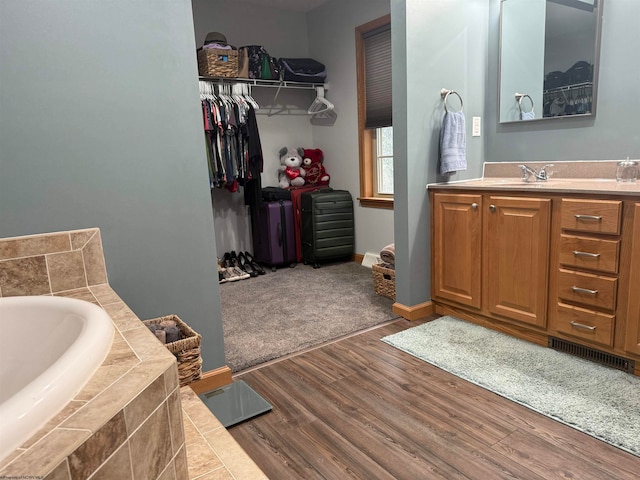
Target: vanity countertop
593 177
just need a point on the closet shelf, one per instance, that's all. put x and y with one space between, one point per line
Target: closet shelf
568 87
279 84
266 83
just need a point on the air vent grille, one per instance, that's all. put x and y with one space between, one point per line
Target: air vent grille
592 354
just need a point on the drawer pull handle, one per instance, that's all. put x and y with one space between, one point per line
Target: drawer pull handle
588 217
584 290
581 325
578 253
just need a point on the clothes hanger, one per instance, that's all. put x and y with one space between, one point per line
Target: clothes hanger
320 104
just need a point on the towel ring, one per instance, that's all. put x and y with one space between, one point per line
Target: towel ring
444 93
519 97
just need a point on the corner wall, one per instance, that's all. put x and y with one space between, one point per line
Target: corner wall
100 127
436 44
332 42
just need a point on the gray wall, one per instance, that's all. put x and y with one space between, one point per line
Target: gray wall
613 133
332 41
100 127
437 44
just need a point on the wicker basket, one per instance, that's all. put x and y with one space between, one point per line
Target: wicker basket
384 280
186 351
213 62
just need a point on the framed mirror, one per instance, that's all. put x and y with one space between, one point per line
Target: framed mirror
549 53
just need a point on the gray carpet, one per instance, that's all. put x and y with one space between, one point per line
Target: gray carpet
292 309
597 400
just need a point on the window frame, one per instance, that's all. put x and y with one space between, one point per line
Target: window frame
366 137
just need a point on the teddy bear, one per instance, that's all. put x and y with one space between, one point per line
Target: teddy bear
290 171
312 163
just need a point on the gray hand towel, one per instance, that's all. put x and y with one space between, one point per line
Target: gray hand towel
453 157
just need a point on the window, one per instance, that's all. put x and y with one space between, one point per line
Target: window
375 130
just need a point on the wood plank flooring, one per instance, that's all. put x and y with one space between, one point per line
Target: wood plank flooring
361 409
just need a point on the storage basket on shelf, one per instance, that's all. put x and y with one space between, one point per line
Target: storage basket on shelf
186 350
384 280
215 62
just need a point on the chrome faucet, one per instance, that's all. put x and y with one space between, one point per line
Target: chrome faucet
528 173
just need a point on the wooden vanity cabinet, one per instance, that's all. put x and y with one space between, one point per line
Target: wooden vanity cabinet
632 336
490 254
539 267
587 270
457 248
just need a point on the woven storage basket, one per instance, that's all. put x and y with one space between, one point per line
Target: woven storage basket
213 62
384 280
186 351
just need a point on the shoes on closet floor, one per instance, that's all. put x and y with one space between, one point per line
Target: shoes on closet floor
255 265
246 265
232 265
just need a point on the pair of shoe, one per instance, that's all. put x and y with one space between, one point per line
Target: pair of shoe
229 269
249 265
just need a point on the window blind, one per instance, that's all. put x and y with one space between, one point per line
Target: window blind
377 60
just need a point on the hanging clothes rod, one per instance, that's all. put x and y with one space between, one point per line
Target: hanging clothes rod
268 83
444 93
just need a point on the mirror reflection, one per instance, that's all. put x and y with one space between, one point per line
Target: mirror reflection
548 58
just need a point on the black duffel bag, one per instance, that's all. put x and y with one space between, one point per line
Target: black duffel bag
302 70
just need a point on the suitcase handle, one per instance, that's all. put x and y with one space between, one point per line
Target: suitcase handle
279 234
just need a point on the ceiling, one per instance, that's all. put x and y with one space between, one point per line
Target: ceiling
294 5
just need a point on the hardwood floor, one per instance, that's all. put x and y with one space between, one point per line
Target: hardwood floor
359 408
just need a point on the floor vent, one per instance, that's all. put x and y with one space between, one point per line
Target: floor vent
592 354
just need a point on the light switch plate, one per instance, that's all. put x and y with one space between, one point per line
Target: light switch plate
475 132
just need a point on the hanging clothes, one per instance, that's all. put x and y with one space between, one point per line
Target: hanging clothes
234 152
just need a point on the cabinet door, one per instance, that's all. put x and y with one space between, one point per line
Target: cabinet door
457 248
517 257
632 337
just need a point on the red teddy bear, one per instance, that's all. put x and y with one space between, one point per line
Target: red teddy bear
312 164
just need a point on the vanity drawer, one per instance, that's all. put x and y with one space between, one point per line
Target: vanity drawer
587 289
589 253
599 216
586 324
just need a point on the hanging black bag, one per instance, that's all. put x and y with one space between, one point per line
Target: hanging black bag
261 65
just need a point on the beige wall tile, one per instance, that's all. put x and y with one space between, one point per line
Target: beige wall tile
94 261
151 445
198 411
146 345
117 467
105 294
176 422
61 472
180 463
141 407
79 238
11 457
50 451
169 473
220 474
34 245
101 408
122 316
24 276
92 453
65 413
66 271
201 458
80 294
171 379
233 456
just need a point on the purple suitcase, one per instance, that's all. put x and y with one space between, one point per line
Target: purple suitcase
273 234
